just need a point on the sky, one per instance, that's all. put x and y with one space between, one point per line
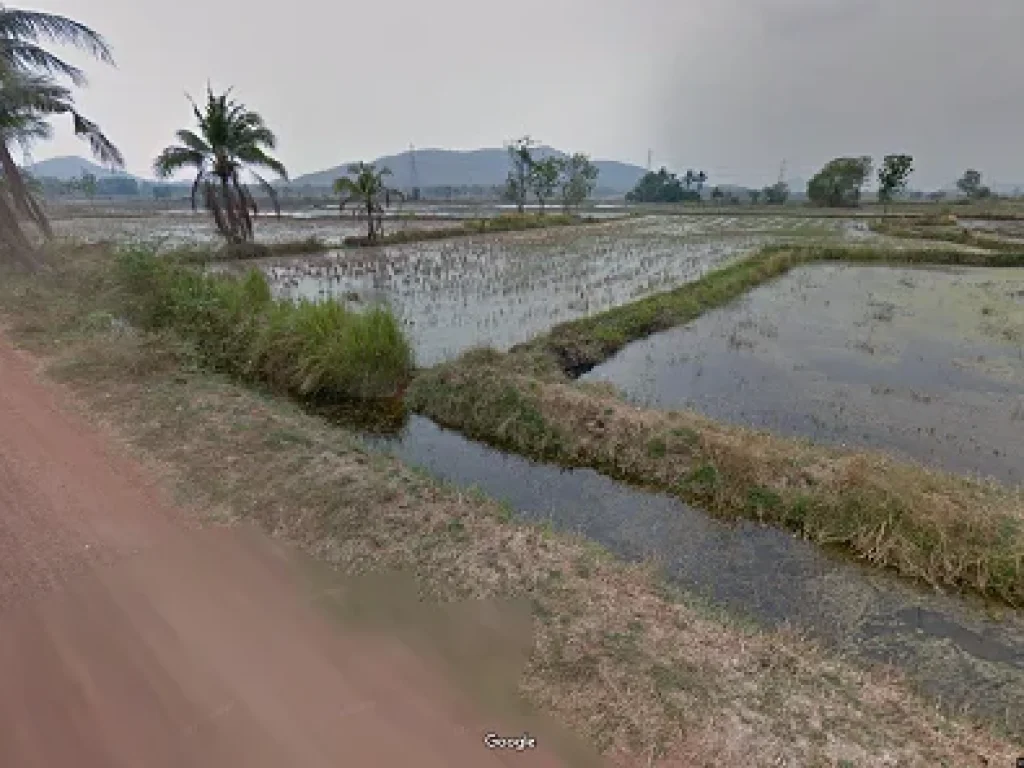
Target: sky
734 87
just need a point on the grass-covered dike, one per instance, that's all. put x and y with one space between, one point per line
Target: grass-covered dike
504 222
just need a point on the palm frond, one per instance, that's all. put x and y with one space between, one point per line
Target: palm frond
27 56
174 158
271 192
192 141
102 147
345 185
257 157
34 25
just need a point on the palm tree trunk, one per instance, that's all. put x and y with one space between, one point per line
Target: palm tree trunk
231 215
14 246
20 194
370 232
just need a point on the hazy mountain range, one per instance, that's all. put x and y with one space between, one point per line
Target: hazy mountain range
433 168
439 168
478 167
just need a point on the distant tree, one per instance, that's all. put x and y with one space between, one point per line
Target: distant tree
893 175
700 179
839 183
660 187
577 179
520 156
689 178
370 192
87 184
937 195
755 196
231 139
970 183
543 179
717 194
120 186
776 194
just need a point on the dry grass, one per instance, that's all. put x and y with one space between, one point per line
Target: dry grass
651 677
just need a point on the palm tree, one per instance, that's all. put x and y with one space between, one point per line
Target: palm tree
28 94
26 100
369 190
231 139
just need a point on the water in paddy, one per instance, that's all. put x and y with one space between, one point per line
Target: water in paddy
953 649
502 290
927 363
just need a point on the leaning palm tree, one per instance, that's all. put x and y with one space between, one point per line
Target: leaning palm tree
230 139
370 192
26 101
28 95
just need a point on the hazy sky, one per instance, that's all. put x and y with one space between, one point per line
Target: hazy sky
730 86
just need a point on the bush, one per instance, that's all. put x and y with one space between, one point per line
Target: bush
318 351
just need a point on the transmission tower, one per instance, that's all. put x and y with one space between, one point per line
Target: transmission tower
782 172
414 176
649 155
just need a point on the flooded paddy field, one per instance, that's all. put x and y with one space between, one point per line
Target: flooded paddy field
500 290
957 651
921 363
179 228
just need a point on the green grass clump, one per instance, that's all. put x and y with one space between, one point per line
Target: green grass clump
318 351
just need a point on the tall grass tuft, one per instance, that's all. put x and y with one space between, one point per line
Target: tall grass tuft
317 351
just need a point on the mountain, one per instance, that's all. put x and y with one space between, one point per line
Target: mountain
478 167
70 167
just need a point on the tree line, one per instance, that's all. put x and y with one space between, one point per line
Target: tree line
572 179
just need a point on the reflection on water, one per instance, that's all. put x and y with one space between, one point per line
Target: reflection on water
926 363
949 646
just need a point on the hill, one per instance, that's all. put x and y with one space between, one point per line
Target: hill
70 167
455 168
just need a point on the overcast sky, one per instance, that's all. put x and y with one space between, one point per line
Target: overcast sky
730 86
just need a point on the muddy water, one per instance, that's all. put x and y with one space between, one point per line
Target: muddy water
502 290
954 650
927 364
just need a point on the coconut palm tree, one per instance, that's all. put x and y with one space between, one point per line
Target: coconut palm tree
369 190
26 100
28 94
230 139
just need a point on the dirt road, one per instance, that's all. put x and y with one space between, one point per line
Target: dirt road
128 637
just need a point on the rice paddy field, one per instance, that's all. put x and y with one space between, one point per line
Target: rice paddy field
500 290
926 364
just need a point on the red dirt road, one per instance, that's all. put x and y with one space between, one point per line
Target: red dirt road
127 639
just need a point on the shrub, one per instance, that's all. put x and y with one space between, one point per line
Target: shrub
318 351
